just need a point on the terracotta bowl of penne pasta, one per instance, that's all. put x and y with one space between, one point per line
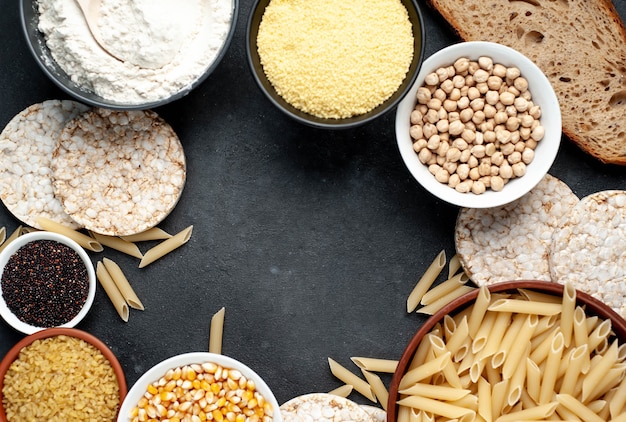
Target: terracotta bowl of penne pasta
60 374
46 280
520 350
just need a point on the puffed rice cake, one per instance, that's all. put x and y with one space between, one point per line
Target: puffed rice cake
323 407
512 242
118 173
588 248
377 413
26 146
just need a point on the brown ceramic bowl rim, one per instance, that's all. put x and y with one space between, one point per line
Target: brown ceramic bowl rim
593 306
14 352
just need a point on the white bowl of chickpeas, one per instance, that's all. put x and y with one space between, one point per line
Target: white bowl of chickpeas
200 385
481 125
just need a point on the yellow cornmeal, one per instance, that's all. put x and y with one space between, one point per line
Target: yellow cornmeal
335 58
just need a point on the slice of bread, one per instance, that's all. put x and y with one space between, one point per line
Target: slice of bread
581 47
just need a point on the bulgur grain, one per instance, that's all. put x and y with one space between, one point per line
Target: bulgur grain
335 58
60 379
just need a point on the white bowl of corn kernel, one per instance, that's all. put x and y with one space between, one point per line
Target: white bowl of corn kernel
200 383
481 125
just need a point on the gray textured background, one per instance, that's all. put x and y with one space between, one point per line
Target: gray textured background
310 239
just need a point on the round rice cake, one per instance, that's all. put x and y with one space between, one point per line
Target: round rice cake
512 242
323 407
118 173
26 146
588 248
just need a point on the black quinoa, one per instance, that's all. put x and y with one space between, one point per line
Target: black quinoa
45 283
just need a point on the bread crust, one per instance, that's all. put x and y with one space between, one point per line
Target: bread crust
581 47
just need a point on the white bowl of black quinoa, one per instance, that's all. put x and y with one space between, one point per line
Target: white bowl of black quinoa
46 280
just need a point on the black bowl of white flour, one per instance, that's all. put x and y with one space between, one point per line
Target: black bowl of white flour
195 34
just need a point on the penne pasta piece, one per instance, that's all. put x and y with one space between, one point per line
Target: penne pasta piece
459 338
3 234
421 355
599 334
525 307
552 366
122 283
449 370
343 391
610 380
153 233
378 387
510 337
438 392
435 306
500 325
577 408
478 310
516 385
216 332
425 282
454 266
541 351
620 418
405 414
533 380
27 229
359 385
82 239
112 291
118 244
14 235
514 356
598 371
486 326
425 370
498 396
484 400
166 246
437 407
444 288
535 296
618 400
376 365
538 413
567 313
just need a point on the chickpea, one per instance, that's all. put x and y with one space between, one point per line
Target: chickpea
521 84
512 124
461 65
416 131
453 154
473 93
507 98
416 117
463 171
521 104
484 168
423 95
497 183
425 155
490 149
507 149
503 136
432 116
506 171
479 138
497 158
469 136
439 94
482 87
460 143
492 97
447 86
454 180
465 155
464 186
472 162
478 187
494 82
499 70
474 174
458 81
485 62
434 104
450 167
456 128
463 103
433 142
489 111
466 115
514 158
528 155
477 104
478 151
538 133
442 75
453 115
478 117
442 125
481 75
449 105
431 79
433 168
519 169
455 95
442 175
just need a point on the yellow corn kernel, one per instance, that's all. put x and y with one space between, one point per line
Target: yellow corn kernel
205 385
216 387
218 416
240 418
152 389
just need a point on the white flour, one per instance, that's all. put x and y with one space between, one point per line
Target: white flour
196 32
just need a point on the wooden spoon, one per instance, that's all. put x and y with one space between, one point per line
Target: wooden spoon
91 12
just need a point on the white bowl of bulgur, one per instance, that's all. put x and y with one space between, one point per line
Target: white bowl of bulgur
200 383
338 67
78 378
481 125
46 280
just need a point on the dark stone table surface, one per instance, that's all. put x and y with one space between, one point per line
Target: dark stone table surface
310 239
